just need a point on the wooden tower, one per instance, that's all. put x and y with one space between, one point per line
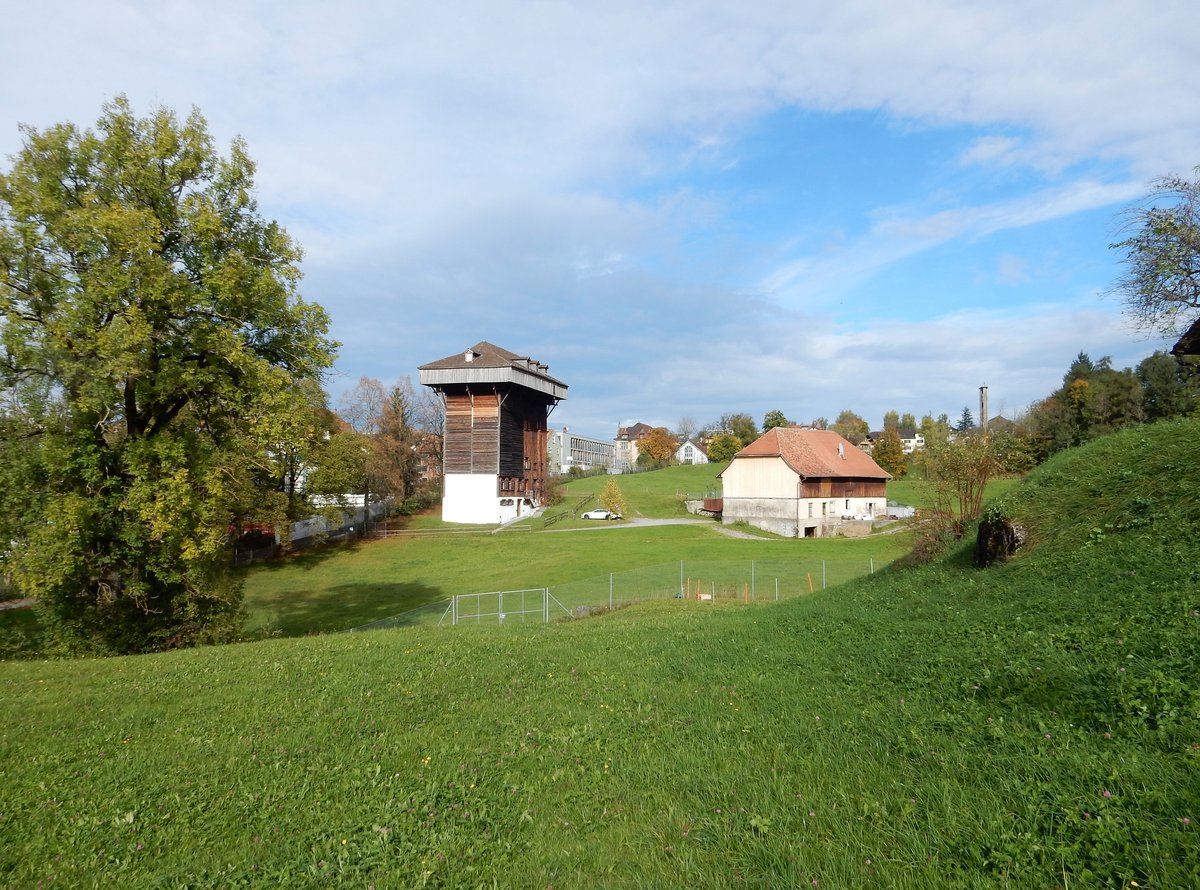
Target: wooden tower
495 454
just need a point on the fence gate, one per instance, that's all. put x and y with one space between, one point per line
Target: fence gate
530 604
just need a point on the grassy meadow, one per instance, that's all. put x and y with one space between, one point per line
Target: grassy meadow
1034 724
348 586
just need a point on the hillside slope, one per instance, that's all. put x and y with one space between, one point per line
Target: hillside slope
1037 722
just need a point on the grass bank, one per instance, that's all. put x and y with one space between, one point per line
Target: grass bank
1033 724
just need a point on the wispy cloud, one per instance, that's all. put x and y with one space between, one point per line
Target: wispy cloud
549 175
895 234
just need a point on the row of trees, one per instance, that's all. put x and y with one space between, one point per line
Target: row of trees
374 450
1095 399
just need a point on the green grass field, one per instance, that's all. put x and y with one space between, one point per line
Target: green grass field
1035 724
344 587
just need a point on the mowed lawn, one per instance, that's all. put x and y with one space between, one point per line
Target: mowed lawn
342 587
347 586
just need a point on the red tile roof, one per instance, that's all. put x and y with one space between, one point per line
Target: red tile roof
634 433
814 454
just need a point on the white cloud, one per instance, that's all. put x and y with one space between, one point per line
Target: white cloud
479 169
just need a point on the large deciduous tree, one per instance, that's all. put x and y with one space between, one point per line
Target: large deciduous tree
773 419
657 448
850 426
723 447
152 347
740 425
1161 282
889 453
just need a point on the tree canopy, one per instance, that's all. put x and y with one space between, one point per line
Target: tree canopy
773 419
889 453
740 425
658 447
1095 399
1161 282
152 351
850 426
723 447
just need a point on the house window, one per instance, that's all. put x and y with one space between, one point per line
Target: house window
810 509
847 503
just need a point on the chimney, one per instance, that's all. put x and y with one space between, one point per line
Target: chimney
983 408
469 355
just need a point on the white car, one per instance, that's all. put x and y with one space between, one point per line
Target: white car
600 514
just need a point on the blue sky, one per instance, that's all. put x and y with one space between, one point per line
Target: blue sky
685 209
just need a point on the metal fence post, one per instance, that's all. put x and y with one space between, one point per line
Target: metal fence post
822 574
751 579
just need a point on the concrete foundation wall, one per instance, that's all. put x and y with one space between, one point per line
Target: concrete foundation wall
791 518
472 498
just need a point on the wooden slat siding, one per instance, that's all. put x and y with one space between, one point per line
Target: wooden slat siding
512 440
844 488
536 445
472 433
526 439
456 447
485 437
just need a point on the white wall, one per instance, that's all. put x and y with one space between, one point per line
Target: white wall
472 497
763 492
756 477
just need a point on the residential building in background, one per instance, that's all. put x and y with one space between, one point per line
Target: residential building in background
569 450
691 452
625 450
911 440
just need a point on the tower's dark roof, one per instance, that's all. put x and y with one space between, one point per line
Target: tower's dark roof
488 363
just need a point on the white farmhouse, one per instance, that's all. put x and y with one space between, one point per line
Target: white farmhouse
802 483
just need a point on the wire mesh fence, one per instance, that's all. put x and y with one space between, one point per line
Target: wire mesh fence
744 581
